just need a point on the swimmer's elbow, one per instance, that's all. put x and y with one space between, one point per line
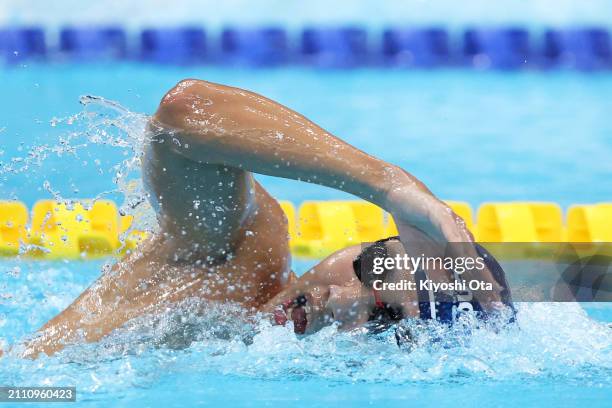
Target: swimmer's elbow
174 108
193 112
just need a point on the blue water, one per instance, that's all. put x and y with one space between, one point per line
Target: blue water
560 356
470 136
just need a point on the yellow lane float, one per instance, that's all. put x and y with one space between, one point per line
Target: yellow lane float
84 229
13 221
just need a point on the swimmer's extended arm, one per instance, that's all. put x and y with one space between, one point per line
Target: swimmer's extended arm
216 124
224 125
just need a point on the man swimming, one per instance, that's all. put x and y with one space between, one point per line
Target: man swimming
223 238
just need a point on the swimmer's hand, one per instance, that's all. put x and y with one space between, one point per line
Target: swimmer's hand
415 208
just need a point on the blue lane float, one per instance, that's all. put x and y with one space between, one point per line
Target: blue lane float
258 47
497 48
343 47
93 43
504 48
185 45
425 47
20 44
581 48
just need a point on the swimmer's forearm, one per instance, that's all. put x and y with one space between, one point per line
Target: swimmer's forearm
63 329
229 126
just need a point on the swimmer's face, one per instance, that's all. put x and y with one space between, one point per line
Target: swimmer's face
332 293
317 306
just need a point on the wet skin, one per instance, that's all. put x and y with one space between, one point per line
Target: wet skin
222 237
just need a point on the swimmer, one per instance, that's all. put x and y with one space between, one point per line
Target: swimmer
343 289
223 238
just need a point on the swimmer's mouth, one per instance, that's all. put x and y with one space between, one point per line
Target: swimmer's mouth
298 309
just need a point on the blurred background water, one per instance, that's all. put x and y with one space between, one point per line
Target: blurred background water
373 13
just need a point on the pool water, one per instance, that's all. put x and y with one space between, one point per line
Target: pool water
468 135
560 355
472 136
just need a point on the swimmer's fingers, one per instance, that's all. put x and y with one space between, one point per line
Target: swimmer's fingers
452 239
414 209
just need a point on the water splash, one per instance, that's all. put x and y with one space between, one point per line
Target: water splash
551 342
556 341
102 124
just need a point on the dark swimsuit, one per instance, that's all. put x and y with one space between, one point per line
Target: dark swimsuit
444 308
